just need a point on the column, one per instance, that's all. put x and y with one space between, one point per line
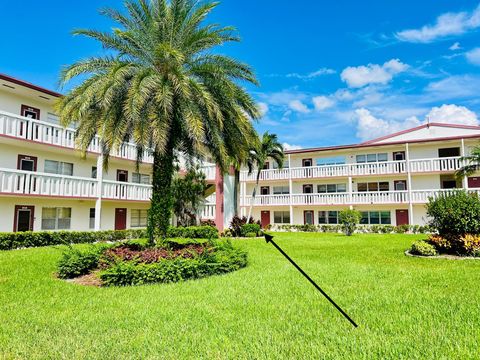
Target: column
219 210
290 188
350 192
98 202
409 184
462 154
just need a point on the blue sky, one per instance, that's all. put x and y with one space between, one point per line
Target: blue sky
330 72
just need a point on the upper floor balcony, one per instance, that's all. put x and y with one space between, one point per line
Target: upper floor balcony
447 164
16 126
345 199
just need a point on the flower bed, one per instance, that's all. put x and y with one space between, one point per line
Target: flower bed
133 263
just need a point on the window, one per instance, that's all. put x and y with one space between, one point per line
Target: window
52 118
286 165
376 217
373 186
400 185
92 218
56 218
281 217
278 190
337 160
266 166
381 157
306 162
308 189
331 188
138 218
449 152
328 217
140 178
265 190
58 167
94 172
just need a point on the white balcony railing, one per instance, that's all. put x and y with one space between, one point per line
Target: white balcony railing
116 190
449 164
42 184
207 212
355 198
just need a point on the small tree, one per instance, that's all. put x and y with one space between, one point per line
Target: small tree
188 195
349 219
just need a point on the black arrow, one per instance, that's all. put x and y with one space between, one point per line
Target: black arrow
269 238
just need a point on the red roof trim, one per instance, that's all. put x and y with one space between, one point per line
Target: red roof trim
29 85
457 126
364 145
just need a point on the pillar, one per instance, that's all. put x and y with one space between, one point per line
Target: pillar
98 202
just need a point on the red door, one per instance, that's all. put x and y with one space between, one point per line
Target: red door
265 218
474 182
402 217
23 218
120 219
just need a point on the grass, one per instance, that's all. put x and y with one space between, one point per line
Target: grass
410 308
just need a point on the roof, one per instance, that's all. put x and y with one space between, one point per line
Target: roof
377 141
29 85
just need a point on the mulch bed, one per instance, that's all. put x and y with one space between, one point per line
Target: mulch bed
152 255
443 256
87 280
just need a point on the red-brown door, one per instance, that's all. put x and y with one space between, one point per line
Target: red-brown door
27 163
474 182
122 175
30 112
25 182
402 217
23 218
120 219
308 217
265 218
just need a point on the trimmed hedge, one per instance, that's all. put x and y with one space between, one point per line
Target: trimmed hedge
9 241
249 229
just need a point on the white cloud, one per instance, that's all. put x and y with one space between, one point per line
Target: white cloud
455 46
322 102
314 74
263 107
359 76
448 24
370 126
297 105
452 114
473 56
287 146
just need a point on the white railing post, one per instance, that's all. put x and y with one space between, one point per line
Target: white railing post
290 189
409 184
98 201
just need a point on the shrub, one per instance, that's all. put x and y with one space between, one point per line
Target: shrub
237 223
349 219
208 222
193 232
456 213
250 228
222 259
75 262
470 244
423 248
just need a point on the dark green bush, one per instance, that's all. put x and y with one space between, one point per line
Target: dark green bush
455 214
250 235
349 218
237 223
250 228
75 262
193 232
221 258
423 248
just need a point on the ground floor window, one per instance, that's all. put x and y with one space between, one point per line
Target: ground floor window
281 217
376 217
328 217
138 218
56 218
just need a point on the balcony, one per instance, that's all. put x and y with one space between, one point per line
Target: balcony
355 198
359 169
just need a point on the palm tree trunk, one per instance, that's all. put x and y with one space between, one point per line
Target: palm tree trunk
161 205
236 189
252 201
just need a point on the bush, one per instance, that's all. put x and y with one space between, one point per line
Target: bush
250 228
208 222
349 219
423 248
221 258
193 232
455 214
237 223
75 262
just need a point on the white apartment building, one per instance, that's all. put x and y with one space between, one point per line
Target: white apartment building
388 179
45 184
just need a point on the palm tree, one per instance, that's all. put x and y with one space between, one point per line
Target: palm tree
162 86
267 147
472 162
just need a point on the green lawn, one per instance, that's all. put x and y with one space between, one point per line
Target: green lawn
406 307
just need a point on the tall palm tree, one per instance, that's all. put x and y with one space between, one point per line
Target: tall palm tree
162 86
472 163
268 147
